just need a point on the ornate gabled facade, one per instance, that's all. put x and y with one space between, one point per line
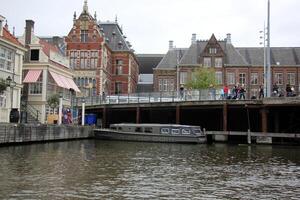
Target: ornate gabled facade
11 64
100 56
233 66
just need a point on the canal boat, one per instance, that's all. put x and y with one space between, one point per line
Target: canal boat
169 133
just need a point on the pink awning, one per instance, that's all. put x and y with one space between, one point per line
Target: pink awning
64 82
57 80
32 76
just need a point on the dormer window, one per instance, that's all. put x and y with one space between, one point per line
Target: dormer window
212 50
84 35
34 54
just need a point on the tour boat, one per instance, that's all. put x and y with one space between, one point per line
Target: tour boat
170 133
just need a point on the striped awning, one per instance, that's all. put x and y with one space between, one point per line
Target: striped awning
32 76
64 82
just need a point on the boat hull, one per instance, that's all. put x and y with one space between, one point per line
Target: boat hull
107 134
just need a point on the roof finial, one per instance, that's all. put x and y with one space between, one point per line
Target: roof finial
85 6
95 16
13 31
116 19
6 25
74 16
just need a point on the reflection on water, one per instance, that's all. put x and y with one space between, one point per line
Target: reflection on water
123 170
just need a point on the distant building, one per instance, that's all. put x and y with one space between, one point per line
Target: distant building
11 63
46 72
146 63
233 66
101 57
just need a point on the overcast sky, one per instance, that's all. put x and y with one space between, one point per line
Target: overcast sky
150 24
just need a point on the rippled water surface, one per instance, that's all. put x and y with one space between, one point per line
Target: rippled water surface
124 170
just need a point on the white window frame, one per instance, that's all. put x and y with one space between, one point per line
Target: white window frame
278 78
207 61
218 62
242 78
291 78
219 78
230 78
254 78
183 77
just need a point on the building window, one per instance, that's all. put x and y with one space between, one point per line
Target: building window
254 78
160 85
84 35
165 85
254 92
84 59
34 54
73 59
183 77
219 80
291 78
94 59
242 78
171 84
207 62
6 58
278 78
36 88
119 67
230 78
212 50
118 87
218 62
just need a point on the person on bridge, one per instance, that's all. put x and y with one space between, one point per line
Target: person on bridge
103 97
261 92
225 90
181 92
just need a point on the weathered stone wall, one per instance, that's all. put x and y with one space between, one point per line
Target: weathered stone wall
21 133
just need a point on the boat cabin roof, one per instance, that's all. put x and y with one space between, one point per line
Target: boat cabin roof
154 125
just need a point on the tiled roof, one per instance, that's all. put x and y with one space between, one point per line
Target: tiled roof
114 36
9 37
172 58
279 55
47 47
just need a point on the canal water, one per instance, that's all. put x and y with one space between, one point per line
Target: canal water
94 169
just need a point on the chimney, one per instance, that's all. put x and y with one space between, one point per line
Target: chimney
28 31
171 42
194 38
1 24
228 38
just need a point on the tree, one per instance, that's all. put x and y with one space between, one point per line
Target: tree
203 78
53 101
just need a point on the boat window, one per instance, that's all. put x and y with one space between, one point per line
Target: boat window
148 129
165 130
120 128
197 131
138 129
113 128
175 131
186 131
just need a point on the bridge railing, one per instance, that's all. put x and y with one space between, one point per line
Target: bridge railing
174 96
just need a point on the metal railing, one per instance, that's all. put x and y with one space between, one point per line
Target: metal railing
35 113
189 95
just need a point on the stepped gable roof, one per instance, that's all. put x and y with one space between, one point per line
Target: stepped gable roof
114 36
148 61
9 37
170 60
279 55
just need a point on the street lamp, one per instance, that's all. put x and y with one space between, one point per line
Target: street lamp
83 111
72 91
13 117
60 108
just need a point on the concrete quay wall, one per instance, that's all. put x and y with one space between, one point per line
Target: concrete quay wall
28 133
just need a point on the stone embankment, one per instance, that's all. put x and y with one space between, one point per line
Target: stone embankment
28 133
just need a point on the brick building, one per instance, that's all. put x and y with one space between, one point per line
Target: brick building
101 57
232 65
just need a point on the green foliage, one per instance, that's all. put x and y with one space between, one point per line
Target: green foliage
203 78
3 85
53 101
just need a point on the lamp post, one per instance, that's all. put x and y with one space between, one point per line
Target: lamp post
60 108
265 66
72 91
83 112
11 84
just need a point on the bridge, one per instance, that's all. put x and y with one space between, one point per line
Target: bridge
199 107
